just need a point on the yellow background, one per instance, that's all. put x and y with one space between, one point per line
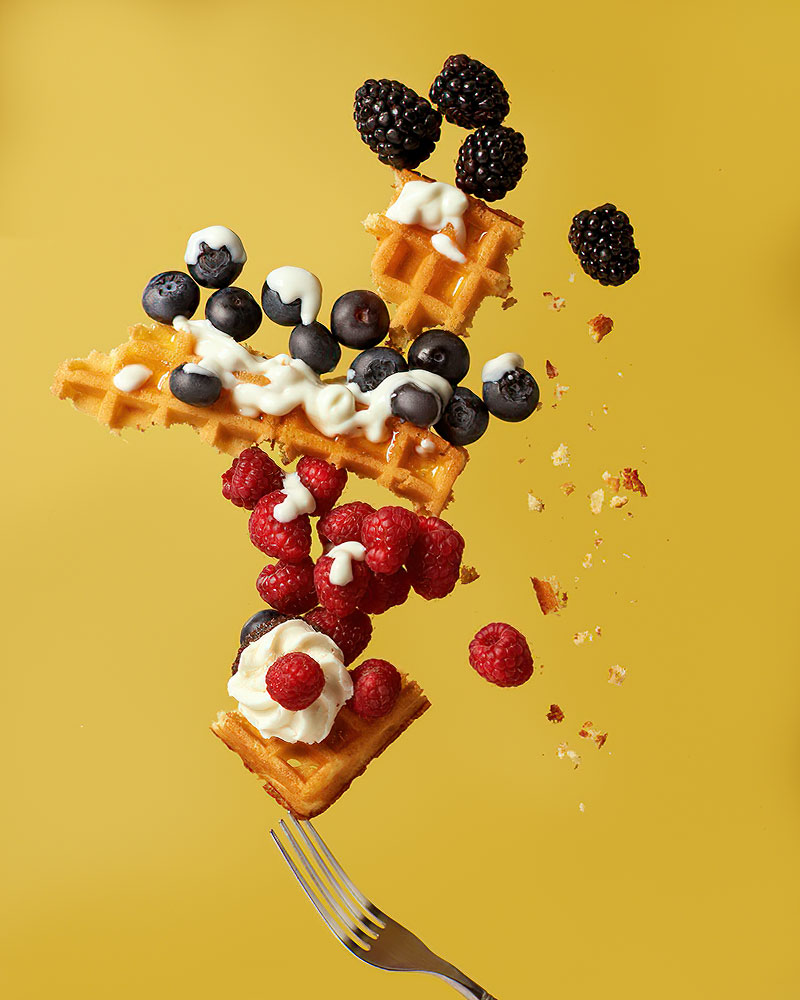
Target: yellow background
136 847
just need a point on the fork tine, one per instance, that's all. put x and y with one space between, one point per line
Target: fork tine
337 889
357 933
369 906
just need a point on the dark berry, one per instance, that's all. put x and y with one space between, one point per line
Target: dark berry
170 294
490 162
371 367
194 385
284 314
234 311
256 631
359 319
215 256
469 94
514 396
265 617
396 123
315 345
465 417
442 353
603 241
421 407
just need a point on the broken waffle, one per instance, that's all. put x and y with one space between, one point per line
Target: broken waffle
422 475
307 778
429 289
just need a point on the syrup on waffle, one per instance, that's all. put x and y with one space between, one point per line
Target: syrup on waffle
427 288
424 476
306 778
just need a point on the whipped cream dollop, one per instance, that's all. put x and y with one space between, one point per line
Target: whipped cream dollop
497 367
343 555
299 500
131 377
215 237
433 205
330 406
293 283
249 684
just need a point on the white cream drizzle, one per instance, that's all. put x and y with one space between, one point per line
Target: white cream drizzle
299 500
131 377
434 205
330 406
343 556
425 447
442 243
215 237
497 367
292 283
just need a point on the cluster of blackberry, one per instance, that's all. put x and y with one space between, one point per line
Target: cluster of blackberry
403 128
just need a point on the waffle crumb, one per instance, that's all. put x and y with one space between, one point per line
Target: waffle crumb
550 368
555 714
596 501
468 574
612 482
561 455
581 807
617 501
560 391
557 302
507 303
632 482
587 561
588 732
616 675
571 278
534 503
600 326
549 595
604 408
588 636
567 488
563 752
598 541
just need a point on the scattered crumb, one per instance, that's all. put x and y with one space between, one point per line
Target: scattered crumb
549 595
611 481
587 561
534 503
581 637
600 327
520 461
557 302
589 427
555 714
468 574
567 488
582 807
617 501
561 455
509 302
632 482
571 278
563 752
598 541
604 408
625 554
560 391
550 368
616 674
589 733
596 501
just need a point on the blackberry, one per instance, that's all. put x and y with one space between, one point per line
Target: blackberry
603 241
490 162
396 123
469 94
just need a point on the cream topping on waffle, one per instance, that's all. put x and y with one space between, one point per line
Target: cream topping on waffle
249 685
343 554
299 500
215 237
497 367
131 377
433 205
293 283
442 243
330 406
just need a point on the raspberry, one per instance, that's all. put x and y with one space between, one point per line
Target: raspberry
388 535
295 681
435 559
324 481
251 476
384 591
351 634
289 541
376 687
343 524
341 600
288 587
500 654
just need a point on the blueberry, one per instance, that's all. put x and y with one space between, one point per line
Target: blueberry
359 319
278 311
514 396
465 417
371 367
194 385
418 406
234 311
259 618
170 294
315 345
442 353
215 268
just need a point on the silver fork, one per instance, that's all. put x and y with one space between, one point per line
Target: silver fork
363 929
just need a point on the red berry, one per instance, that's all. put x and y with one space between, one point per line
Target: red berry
376 688
500 654
351 634
435 559
384 591
295 681
341 600
324 481
288 587
388 535
251 476
289 541
343 524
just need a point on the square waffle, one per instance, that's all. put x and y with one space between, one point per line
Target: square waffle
424 477
306 778
430 290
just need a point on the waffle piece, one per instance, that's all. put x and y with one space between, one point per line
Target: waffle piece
306 778
430 290
423 475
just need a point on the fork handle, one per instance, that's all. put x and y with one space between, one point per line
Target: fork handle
464 985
